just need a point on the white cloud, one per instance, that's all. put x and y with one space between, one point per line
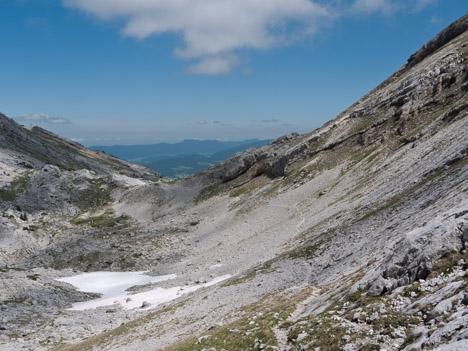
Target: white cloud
212 30
215 32
213 65
42 117
422 4
435 20
388 7
371 6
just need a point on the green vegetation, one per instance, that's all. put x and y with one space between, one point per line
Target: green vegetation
370 347
265 268
33 276
17 186
253 332
95 195
358 157
103 221
307 172
239 191
364 124
208 192
322 331
307 251
447 264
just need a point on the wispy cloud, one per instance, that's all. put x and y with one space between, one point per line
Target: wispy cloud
270 121
388 7
213 31
227 124
42 117
435 20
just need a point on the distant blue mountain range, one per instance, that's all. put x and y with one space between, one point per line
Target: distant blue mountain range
180 159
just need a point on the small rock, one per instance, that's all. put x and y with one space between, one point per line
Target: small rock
302 336
464 301
145 304
374 316
203 338
398 334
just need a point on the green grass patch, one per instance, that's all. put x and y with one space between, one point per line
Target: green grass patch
447 264
307 251
103 221
322 331
265 268
97 194
209 192
16 187
358 157
33 276
248 333
364 124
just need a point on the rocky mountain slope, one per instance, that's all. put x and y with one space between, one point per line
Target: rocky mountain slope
351 237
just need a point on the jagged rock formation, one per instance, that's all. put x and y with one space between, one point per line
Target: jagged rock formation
351 237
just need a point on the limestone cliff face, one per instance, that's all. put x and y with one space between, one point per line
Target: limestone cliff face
351 237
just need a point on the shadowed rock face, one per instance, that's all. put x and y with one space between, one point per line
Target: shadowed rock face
448 34
44 147
351 237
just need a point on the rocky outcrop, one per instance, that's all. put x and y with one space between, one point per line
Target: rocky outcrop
45 147
448 34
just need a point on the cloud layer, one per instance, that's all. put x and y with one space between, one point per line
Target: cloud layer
42 117
215 31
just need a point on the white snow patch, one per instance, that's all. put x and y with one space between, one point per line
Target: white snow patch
216 266
127 181
113 286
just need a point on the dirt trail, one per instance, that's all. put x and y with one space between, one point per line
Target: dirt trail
281 335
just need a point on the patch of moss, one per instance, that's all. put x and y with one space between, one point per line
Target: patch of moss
356 158
209 192
16 187
265 268
239 191
33 276
447 264
248 333
412 290
322 331
370 347
95 195
364 124
103 221
307 251
394 320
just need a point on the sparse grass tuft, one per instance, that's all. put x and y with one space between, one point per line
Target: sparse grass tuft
17 186
96 195
103 221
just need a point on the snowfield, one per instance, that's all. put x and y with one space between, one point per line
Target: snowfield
114 289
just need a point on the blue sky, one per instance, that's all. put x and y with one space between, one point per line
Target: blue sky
109 72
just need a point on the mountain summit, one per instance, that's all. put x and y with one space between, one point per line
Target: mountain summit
351 237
